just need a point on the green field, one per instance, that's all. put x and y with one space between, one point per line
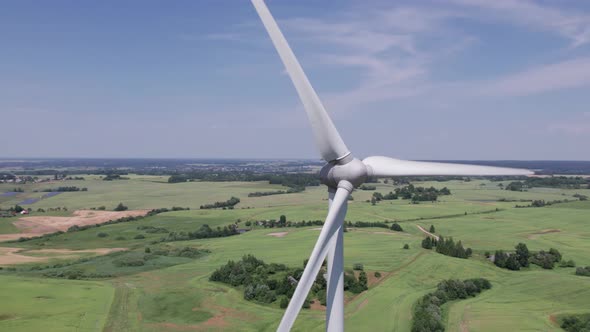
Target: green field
174 293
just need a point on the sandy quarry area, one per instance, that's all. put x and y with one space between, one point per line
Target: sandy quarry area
9 256
39 225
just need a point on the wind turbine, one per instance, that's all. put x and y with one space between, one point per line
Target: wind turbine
342 173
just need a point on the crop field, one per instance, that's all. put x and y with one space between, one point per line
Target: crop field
123 277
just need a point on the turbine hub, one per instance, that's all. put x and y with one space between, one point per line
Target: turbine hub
350 169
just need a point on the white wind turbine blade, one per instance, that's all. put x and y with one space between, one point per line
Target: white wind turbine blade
384 166
326 136
323 245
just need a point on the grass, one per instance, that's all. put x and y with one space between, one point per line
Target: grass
34 304
178 295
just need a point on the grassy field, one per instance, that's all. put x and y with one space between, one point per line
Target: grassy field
174 293
41 304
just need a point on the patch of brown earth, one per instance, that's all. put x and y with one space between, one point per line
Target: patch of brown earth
39 225
174 327
372 280
15 236
218 321
279 234
11 256
545 231
316 305
48 224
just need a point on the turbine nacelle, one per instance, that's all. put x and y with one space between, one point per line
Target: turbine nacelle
349 169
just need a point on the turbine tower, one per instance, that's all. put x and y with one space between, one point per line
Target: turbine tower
342 173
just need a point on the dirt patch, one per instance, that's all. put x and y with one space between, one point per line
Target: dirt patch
427 232
545 231
372 280
218 321
11 256
316 305
279 234
174 327
39 225
542 232
15 236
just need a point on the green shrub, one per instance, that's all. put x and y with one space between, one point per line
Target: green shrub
583 271
377 274
139 237
121 207
101 234
358 267
396 227
569 263
406 246
284 302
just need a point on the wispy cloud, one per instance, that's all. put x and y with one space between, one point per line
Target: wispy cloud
397 49
570 24
566 74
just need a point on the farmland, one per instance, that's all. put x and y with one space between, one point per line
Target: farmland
172 292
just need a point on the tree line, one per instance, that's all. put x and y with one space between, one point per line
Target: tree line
276 192
447 247
415 194
203 232
268 283
565 182
64 189
291 180
428 315
229 204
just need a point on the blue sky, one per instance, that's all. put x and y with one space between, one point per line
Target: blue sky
456 79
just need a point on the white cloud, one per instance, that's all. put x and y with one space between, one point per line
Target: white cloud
569 24
398 48
566 74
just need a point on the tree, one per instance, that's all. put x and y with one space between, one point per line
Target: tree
282 219
512 263
363 281
555 254
500 258
522 254
406 246
396 227
431 230
120 207
427 243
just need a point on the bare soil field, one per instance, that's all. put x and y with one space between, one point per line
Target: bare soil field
39 225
